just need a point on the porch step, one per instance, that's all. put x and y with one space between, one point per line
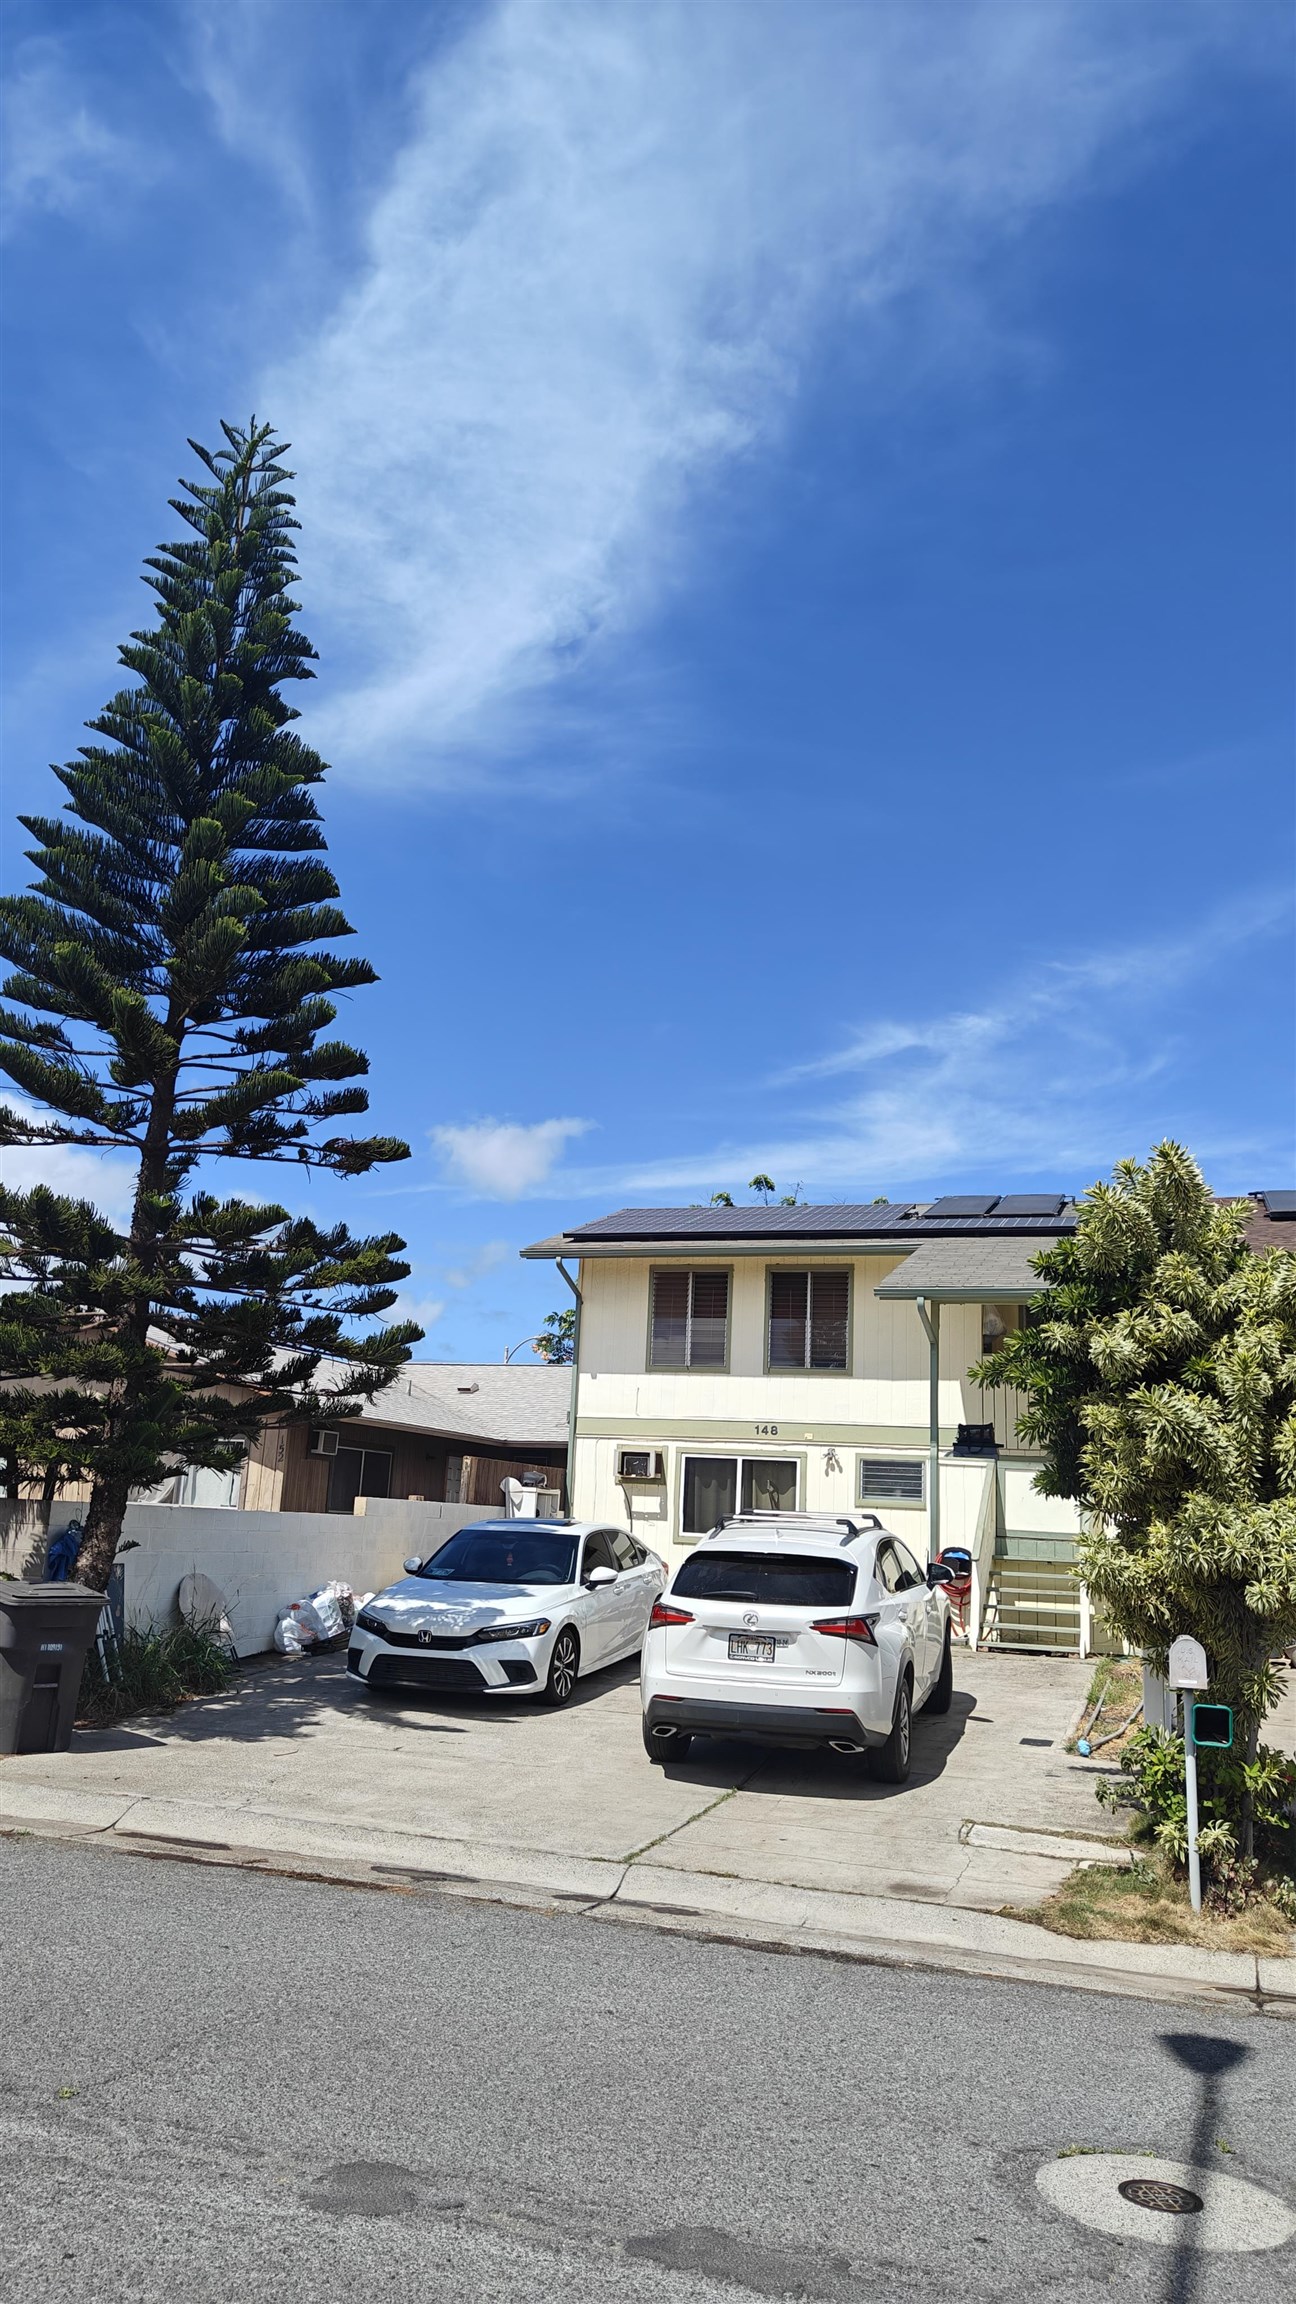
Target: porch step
1032 1604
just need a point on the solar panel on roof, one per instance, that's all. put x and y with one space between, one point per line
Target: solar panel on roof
1031 1204
962 1204
1278 1203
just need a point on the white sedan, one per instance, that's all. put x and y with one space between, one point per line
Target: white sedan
509 1608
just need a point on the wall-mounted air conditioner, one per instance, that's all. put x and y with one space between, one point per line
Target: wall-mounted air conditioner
323 1444
640 1464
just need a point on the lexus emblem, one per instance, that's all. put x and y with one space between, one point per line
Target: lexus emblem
751 1617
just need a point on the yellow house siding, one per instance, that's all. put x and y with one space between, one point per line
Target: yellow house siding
823 1420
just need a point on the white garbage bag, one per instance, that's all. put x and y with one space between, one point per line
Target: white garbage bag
287 1634
322 1613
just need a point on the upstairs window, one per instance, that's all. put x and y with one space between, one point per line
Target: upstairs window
690 1320
809 1319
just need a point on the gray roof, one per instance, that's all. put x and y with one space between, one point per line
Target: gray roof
967 1272
517 1408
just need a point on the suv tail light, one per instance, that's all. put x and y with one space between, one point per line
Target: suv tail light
848 1628
663 1614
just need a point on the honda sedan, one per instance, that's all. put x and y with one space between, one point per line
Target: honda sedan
509 1608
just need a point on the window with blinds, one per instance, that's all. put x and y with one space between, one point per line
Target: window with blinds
690 1320
809 1319
891 1480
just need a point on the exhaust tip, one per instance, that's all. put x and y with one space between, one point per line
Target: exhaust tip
840 1744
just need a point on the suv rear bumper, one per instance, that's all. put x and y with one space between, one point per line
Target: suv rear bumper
794 1724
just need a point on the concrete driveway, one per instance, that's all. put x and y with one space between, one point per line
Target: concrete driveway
989 1817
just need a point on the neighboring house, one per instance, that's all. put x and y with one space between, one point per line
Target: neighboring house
818 1358
441 1431
446 1432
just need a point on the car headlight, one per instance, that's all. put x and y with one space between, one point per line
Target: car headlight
514 1631
367 1623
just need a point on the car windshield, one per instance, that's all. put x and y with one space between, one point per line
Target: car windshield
788 1579
504 1556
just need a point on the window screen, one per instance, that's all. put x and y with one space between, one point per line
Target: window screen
690 1319
768 1485
808 1319
891 1480
710 1493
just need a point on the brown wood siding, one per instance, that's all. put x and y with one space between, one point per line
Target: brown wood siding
482 1476
305 1478
263 1473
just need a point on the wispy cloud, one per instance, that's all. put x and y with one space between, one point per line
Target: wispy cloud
504 1159
103 1178
483 1261
426 1310
58 153
1055 1077
594 279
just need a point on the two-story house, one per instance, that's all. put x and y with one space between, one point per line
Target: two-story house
818 1358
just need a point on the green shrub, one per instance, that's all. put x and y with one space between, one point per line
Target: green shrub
1152 1765
149 1671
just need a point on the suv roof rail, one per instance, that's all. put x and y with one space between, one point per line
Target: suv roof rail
854 1523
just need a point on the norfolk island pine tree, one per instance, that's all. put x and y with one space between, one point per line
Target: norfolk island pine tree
172 993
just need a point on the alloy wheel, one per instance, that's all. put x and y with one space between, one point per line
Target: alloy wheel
562 1667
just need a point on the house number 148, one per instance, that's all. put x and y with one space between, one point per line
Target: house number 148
766 1431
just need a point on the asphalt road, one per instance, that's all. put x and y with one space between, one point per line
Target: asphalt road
217 2085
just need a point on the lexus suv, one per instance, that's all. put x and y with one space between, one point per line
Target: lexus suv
800 1630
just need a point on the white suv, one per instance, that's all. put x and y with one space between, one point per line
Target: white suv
799 1629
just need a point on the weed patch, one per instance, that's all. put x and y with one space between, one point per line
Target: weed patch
1146 1904
151 1672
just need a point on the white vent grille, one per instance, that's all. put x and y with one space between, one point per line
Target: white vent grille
891 1480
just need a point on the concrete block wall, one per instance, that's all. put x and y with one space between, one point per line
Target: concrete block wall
262 1560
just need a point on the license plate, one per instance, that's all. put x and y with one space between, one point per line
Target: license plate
748 1648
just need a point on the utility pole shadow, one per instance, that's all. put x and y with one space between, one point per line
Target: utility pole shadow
1210 2059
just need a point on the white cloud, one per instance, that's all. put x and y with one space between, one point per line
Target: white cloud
502 1159
595 274
103 1178
426 1310
58 155
484 1260
1055 1077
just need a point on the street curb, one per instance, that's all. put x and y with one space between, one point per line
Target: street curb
890 1931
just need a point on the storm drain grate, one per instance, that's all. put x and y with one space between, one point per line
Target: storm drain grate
1166 2199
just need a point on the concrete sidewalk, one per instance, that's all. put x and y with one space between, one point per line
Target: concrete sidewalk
296 1766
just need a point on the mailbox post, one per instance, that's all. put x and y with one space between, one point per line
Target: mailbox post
1188 1671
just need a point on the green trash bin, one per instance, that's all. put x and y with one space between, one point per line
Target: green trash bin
46 1631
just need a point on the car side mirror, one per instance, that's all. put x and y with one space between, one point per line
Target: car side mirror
938 1573
413 1566
598 1577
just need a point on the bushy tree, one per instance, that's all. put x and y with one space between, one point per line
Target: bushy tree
1160 1377
173 989
556 1341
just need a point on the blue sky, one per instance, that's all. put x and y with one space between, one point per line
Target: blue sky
798 529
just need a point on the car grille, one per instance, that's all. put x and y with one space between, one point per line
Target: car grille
428 1639
424 1672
